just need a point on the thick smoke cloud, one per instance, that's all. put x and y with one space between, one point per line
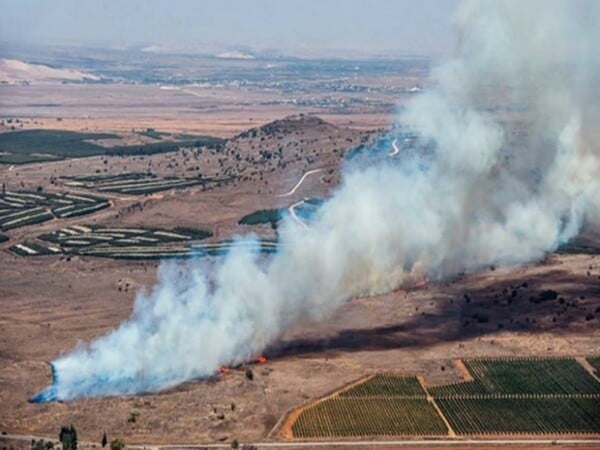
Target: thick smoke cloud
484 189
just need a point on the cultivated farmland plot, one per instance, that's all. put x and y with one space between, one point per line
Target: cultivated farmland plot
136 183
522 395
362 417
532 396
382 385
20 208
132 243
522 376
522 415
27 146
384 405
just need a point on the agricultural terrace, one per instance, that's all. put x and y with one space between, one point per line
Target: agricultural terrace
136 183
131 243
20 208
530 396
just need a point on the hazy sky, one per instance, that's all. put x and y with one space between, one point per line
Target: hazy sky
377 26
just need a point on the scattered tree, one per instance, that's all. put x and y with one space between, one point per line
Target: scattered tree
68 438
133 416
104 440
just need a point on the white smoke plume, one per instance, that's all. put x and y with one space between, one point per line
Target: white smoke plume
485 191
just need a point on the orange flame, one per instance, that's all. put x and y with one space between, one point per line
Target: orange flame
261 359
422 283
224 370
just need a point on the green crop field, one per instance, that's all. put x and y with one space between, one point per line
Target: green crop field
533 396
523 376
36 145
136 183
366 416
20 147
522 395
480 416
20 208
387 385
384 405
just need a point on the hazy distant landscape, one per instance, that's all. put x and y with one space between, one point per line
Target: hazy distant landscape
356 229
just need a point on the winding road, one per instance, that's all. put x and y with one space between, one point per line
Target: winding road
298 220
292 208
310 172
395 149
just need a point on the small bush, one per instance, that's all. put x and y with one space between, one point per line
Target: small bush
133 416
117 444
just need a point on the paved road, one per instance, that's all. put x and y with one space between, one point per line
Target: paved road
455 443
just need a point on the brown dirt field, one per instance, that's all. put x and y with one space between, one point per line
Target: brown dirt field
463 370
49 305
122 107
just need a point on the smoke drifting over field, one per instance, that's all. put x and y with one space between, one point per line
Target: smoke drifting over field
477 198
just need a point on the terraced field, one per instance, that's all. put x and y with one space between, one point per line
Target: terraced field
136 183
20 208
131 243
384 405
517 396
